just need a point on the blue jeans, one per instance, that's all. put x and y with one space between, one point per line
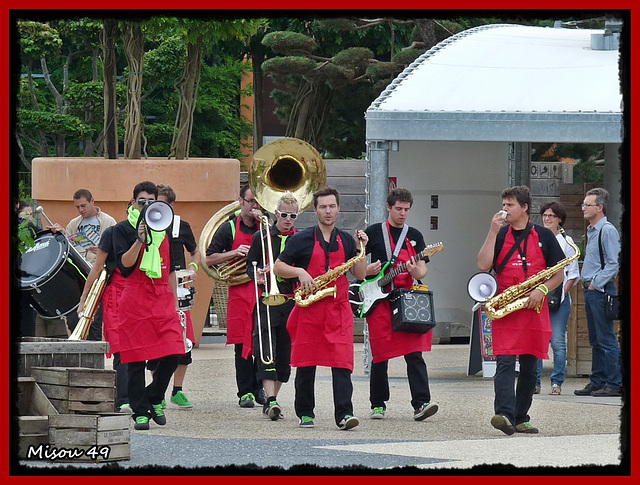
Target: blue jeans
559 321
512 399
605 352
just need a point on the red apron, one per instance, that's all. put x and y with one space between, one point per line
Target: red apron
524 331
385 343
322 333
149 326
110 298
242 300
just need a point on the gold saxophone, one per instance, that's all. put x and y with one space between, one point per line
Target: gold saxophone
90 306
515 297
304 297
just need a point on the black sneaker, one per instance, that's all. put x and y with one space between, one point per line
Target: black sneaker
348 422
273 411
142 423
503 424
246 401
587 390
424 411
157 414
261 397
607 391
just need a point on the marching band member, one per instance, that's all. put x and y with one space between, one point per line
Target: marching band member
385 343
149 326
517 250
322 333
278 371
232 240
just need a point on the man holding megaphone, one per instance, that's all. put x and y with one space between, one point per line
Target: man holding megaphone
149 326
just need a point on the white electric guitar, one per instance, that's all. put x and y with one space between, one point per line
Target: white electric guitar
365 295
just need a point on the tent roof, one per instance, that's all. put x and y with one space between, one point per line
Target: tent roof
505 83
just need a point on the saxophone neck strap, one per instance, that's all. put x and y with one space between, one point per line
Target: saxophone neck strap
387 244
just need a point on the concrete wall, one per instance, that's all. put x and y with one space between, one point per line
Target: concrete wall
467 178
202 187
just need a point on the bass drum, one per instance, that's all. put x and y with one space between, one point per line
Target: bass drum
52 275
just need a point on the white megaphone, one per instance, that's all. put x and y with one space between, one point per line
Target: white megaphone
157 216
482 287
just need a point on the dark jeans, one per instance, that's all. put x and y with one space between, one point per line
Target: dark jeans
416 374
605 351
305 399
141 397
510 402
245 373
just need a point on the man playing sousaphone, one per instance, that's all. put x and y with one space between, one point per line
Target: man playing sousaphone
385 343
272 346
231 242
322 332
518 251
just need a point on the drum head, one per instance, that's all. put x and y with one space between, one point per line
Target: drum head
39 262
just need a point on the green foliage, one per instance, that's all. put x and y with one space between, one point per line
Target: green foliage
53 123
587 171
289 65
38 40
289 43
406 57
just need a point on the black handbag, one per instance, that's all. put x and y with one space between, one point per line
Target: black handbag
554 298
411 310
612 306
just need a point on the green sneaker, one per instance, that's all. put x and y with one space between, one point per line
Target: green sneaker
181 400
157 414
142 422
125 408
307 422
247 401
164 404
377 413
526 427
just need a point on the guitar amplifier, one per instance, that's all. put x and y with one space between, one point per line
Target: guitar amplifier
412 310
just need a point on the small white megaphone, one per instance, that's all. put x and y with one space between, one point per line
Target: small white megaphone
482 286
158 216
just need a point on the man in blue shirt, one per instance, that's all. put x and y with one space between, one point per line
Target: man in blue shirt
598 275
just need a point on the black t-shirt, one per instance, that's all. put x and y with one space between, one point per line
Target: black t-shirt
255 254
106 245
376 247
186 240
300 247
124 235
551 250
222 240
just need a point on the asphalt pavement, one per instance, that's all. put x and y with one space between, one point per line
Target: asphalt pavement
578 435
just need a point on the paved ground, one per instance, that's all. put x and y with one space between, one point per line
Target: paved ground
577 433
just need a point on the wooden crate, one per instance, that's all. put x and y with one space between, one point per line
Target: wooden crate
55 352
33 416
77 389
93 438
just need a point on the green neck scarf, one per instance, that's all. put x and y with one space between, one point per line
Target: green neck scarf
150 263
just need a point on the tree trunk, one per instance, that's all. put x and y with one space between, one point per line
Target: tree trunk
257 58
109 32
427 32
134 51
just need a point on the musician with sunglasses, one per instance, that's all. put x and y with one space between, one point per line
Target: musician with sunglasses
385 343
232 241
273 355
149 324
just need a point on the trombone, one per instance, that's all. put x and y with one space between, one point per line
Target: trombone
265 360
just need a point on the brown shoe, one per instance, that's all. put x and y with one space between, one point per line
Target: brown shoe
556 390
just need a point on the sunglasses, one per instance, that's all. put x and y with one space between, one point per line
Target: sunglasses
142 201
284 215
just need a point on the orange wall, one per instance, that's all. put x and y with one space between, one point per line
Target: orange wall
202 185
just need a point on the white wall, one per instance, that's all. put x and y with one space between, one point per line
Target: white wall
468 177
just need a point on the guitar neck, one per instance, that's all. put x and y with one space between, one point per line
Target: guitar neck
395 272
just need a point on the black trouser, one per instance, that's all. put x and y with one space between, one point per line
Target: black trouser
280 368
245 373
122 381
416 374
305 399
514 404
141 397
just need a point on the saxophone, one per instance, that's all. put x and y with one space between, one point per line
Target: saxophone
304 297
81 332
515 297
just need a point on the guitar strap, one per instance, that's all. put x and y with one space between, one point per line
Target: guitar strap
387 245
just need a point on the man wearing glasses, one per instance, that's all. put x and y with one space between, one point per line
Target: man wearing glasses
598 272
232 241
149 325
272 353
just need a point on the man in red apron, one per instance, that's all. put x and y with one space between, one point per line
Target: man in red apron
149 325
385 343
232 240
322 333
518 251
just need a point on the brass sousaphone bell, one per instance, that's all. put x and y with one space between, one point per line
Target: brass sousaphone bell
284 165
